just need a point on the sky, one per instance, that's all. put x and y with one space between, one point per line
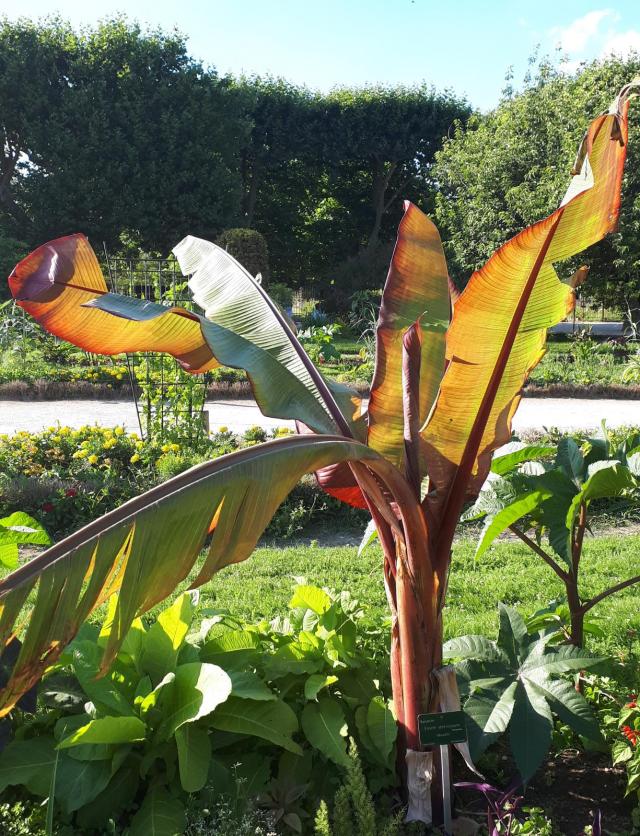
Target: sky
463 45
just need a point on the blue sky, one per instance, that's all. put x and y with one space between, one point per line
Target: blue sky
463 44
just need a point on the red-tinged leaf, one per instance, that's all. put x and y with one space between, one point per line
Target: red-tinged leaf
500 321
152 543
416 291
56 282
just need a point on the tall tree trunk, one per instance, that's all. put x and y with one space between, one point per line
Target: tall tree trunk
382 174
250 180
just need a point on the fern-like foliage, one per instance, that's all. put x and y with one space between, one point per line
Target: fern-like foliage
354 812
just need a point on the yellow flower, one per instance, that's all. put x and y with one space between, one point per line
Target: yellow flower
135 458
79 454
223 430
119 431
165 448
93 459
174 447
109 443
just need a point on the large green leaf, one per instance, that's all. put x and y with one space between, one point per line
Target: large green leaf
77 783
28 762
315 683
249 686
570 706
151 544
507 516
160 815
310 597
194 755
19 528
116 797
489 716
272 721
231 649
513 636
518 454
606 479
531 727
381 726
164 638
106 730
197 689
246 330
563 659
571 460
106 693
325 727
472 647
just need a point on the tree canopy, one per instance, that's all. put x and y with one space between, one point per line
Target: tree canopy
506 170
118 132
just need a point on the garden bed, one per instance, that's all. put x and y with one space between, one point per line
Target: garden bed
53 390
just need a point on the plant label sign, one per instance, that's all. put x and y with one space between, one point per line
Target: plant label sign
442 728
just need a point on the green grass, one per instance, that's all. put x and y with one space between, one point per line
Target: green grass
509 572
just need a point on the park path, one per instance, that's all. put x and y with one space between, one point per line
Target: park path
239 415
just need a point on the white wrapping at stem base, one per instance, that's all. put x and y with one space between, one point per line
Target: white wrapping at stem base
420 764
419 778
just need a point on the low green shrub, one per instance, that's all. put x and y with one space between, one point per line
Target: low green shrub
248 247
200 702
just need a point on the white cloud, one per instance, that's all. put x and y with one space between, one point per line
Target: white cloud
622 43
576 36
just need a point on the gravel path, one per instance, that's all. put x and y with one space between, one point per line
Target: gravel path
238 415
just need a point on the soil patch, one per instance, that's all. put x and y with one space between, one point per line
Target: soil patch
570 788
573 786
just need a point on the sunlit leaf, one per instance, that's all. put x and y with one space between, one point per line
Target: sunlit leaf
417 290
500 321
150 544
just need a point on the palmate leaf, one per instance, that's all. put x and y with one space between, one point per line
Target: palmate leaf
518 689
61 285
500 320
149 545
416 291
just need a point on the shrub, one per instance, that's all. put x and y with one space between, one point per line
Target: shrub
282 294
220 709
248 247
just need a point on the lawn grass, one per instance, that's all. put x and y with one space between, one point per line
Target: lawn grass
509 572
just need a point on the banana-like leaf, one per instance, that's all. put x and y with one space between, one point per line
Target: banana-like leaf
247 330
416 291
150 544
500 321
57 282
61 285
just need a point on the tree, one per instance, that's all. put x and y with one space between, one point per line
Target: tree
381 143
508 168
116 129
281 133
35 63
442 399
